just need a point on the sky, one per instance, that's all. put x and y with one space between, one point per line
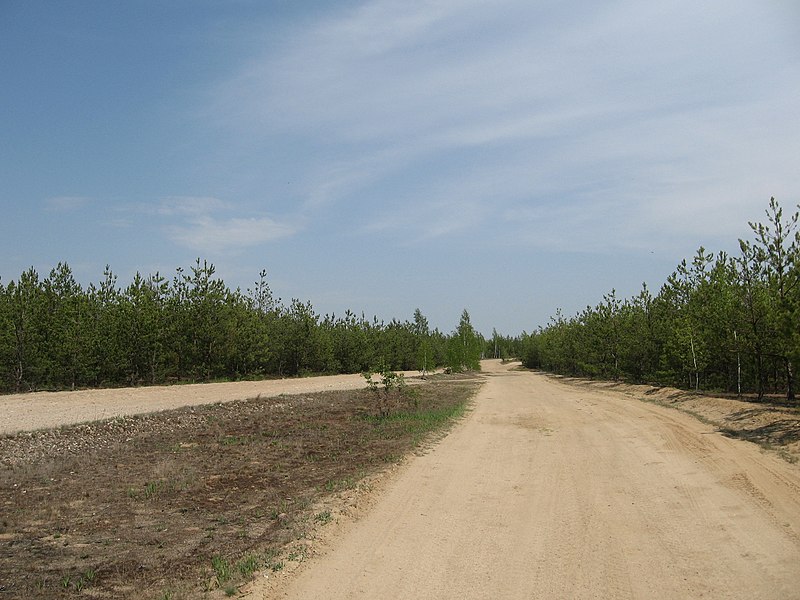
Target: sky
509 157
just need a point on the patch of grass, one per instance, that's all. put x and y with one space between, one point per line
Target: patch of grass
418 423
222 569
338 485
234 440
248 565
151 488
297 555
324 517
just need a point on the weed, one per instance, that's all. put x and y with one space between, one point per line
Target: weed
781 452
270 554
324 517
222 569
334 485
230 590
248 565
277 566
302 503
151 489
234 440
279 510
788 457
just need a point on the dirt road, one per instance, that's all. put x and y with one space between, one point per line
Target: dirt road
550 491
39 410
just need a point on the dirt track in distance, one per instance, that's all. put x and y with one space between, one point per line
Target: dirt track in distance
41 410
551 491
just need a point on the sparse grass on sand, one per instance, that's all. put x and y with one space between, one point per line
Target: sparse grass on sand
195 500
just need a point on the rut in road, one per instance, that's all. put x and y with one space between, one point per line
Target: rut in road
548 491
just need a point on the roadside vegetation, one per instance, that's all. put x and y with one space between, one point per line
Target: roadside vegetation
192 501
56 334
720 322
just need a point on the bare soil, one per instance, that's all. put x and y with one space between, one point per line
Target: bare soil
189 502
770 423
565 489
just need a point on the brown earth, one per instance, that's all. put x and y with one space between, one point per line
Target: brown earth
556 489
188 502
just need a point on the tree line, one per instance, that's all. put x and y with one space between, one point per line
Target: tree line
720 322
56 334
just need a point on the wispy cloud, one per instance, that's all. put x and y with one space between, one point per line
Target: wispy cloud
427 220
604 121
209 235
210 225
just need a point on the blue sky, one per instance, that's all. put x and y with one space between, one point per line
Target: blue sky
509 157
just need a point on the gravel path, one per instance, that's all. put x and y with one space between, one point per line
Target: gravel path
39 410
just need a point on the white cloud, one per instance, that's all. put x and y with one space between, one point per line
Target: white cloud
211 225
208 235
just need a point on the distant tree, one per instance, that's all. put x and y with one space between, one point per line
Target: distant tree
260 295
777 249
66 328
106 312
424 347
299 326
465 345
6 338
754 296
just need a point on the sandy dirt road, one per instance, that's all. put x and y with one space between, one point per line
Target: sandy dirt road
39 410
549 491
